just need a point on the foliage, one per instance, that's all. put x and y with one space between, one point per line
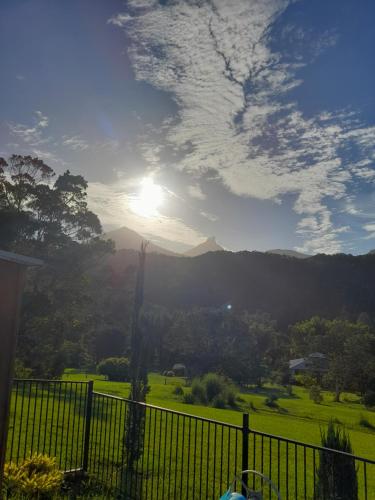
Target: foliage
214 390
35 477
20 370
178 391
369 399
116 369
336 474
364 422
315 394
271 401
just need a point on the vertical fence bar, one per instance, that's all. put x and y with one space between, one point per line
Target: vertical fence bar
245 448
86 442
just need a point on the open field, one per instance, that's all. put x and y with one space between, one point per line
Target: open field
296 418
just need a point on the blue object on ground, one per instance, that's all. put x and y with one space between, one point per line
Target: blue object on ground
232 496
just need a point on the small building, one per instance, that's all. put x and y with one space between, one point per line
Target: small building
314 363
179 370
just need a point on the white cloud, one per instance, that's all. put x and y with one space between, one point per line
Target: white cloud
112 203
215 59
32 135
195 191
209 216
75 142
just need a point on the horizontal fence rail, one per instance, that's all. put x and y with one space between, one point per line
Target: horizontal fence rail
135 450
48 416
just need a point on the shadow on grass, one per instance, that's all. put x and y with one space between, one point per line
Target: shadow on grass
268 391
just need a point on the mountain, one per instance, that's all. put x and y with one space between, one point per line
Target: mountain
209 245
128 239
289 253
289 290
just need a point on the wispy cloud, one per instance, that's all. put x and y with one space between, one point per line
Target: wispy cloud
75 142
34 134
195 191
215 59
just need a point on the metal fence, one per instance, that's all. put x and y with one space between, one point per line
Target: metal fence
49 416
183 457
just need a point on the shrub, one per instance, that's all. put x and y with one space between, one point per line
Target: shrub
231 398
35 477
198 391
188 398
178 391
271 401
305 380
116 369
214 385
363 422
218 401
369 399
336 474
315 394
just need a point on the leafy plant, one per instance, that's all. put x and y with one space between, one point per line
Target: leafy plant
178 391
271 401
188 399
315 394
336 474
116 369
35 477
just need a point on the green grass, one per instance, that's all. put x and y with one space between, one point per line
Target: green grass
171 464
296 418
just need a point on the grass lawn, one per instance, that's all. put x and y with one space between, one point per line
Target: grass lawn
296 418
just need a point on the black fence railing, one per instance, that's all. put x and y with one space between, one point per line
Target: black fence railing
184 456
48 416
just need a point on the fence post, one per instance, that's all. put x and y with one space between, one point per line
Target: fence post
245 448
86 442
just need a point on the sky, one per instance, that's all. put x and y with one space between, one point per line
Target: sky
249 120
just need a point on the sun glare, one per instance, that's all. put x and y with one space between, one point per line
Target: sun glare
148 200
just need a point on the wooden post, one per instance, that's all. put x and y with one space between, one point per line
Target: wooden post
12 275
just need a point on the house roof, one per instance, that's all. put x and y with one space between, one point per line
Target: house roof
22 260
295 364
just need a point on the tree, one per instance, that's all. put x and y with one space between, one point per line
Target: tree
336 474
116 369
51 220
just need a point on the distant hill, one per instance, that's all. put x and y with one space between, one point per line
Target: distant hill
127 239
288 289
289 253
209 245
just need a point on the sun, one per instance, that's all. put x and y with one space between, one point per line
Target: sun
148 200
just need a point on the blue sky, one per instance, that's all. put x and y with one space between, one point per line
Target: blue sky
257 118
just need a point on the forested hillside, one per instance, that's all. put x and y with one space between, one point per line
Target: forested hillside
288 289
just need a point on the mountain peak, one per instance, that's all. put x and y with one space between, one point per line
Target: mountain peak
209 245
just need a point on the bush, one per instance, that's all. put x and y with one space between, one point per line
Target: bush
363 422
214 385
305 380
35 477
336 474
218 402
315 394
231 398
188 399
178 391
271 401
116 369
198 391
369 399
214 390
